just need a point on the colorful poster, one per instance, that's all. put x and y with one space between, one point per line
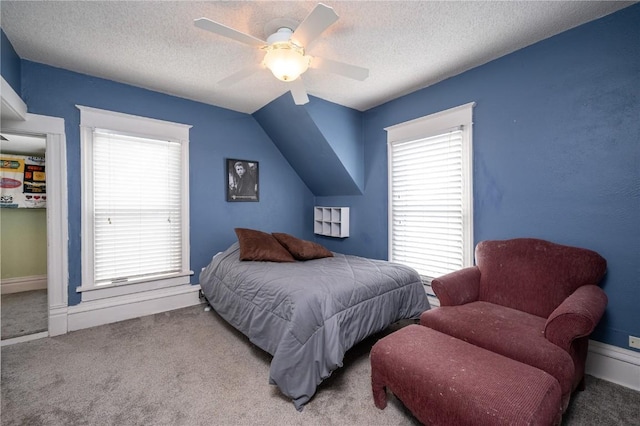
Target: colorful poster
22 182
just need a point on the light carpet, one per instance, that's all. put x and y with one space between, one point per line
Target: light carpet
24 313
189 367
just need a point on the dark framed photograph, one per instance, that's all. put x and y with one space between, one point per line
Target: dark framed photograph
242 180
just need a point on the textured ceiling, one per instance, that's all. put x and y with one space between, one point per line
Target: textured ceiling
407 45
22 144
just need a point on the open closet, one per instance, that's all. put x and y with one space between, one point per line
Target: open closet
23 235
35 236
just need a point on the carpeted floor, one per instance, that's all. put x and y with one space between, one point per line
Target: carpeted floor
189 367
24 313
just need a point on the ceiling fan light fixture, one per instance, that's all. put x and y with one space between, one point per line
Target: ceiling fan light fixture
286 60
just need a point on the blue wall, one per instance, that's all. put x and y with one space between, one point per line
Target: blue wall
9 63
342 129
556 154
286 204
321 140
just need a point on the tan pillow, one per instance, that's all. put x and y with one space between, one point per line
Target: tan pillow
302 249
257 245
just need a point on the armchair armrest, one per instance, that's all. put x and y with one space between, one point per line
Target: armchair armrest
576 317
457 288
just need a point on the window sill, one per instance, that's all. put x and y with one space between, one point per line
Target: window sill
114 290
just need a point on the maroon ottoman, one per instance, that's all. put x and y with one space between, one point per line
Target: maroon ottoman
446 381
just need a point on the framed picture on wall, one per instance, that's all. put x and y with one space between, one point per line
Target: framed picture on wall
242 180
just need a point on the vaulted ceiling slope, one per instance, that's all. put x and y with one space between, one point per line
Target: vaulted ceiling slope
322 141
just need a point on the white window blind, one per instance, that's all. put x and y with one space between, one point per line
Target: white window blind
137 221
431 192
135 204
427 203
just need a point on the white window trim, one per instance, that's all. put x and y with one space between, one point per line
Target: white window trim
432 125
90 119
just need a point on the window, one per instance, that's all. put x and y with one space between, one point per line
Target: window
135 215
430 193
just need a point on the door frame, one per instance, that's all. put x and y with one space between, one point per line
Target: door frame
57 212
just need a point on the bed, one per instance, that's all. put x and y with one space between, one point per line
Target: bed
307 314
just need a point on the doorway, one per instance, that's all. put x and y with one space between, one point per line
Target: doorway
57 275
23 238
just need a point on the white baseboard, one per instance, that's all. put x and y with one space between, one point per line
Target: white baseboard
58 320
114 309
614 364
22 339
19 284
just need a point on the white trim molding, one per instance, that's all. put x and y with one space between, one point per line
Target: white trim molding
22 339
20 284
431 124
120 308
57 218
92 119
614 364
13 107
404 140
133 124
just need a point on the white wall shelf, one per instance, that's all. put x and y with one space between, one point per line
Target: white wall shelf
331 221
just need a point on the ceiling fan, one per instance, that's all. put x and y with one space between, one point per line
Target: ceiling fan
286 51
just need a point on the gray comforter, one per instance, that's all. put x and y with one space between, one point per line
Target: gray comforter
308 314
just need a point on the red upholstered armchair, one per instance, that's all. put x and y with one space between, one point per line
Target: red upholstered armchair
531 300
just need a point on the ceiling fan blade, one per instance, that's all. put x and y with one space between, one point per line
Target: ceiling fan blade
320 18
346 70
223 30
298 92
240 75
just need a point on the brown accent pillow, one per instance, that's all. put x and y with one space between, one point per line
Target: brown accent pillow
257 245
302 249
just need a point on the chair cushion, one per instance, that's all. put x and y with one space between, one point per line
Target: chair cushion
508 332
533 275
